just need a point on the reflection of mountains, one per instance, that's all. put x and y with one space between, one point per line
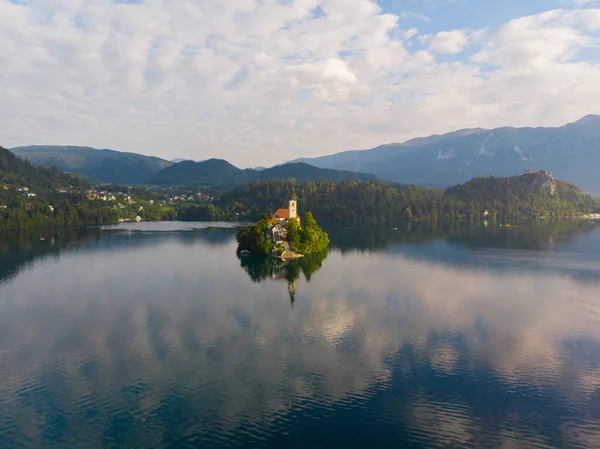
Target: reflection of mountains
261 268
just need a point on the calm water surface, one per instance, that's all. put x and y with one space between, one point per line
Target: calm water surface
157 335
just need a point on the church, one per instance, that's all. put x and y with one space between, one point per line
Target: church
281 217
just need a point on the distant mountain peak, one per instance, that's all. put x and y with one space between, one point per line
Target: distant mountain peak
571 151
589 120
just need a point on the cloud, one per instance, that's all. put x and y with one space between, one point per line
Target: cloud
449 42
261 82
414 16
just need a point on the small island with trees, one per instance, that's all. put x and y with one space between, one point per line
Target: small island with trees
284 234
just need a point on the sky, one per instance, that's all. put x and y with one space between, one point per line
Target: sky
259 82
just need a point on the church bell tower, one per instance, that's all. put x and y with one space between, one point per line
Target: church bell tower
293 205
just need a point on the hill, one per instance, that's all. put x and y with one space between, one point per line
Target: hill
536 194
571 152
102 165
518 197
221 174
210 173
32 196
16 173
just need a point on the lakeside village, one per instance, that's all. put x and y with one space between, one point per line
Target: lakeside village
283 235
119 197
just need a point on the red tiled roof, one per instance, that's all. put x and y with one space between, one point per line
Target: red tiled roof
282 213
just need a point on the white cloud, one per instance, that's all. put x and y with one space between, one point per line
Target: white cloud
423 39
414 16
258 82
449 42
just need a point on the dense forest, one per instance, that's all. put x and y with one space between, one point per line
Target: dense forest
518 197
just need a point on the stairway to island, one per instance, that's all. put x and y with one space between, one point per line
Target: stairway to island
288 253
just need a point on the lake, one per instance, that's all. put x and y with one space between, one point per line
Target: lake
157 335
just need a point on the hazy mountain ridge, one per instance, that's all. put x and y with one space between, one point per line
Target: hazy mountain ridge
221 174
571 152
102 165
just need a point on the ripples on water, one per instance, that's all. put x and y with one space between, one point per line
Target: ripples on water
121 338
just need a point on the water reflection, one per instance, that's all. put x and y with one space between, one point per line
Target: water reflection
540 235
146 339
260 269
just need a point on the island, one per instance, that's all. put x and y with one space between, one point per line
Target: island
284 234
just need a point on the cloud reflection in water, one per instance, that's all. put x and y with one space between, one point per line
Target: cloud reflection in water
169 340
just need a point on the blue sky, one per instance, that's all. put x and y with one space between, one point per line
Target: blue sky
472 14
259 82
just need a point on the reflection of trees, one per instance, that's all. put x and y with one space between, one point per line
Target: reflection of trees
533 235
539 235
261 268
18 250
372 238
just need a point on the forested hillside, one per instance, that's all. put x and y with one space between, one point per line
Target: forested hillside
519 197
100 165
17 172
531 195
216 173
220 174
33 196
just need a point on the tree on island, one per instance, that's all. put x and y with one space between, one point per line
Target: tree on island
254 238
308 237
304 237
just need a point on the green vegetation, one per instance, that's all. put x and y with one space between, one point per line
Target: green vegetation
33 196
522 197
262 268
254 238
100 165
213 173
512 198
20 173
306 238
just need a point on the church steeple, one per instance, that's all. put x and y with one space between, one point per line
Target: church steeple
293 205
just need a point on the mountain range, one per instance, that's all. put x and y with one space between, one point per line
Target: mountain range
219 173
571 152
101 165
130 168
